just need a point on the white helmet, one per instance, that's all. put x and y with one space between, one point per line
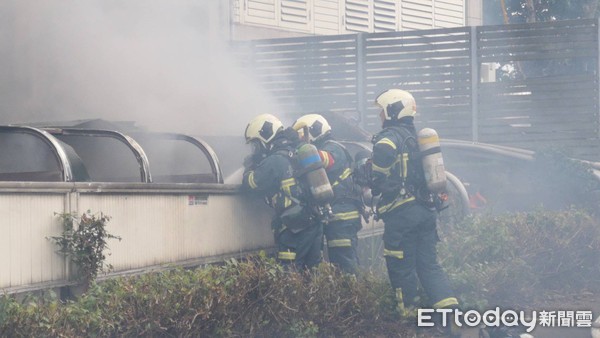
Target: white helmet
263 128
312 127
396 103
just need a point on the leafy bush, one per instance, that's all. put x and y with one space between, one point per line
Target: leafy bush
565 181
511 259
83 240
256 297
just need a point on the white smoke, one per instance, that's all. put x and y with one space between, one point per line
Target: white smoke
161 63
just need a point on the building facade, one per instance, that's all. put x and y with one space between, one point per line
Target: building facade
252 19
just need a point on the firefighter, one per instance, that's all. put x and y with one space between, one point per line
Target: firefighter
269 170
406 208
343 225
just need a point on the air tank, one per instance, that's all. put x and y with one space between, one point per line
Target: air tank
433 163
316 177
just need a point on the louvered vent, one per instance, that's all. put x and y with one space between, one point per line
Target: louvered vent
449 13
417 14
294 14
385 16
357 15
260 12
236 11
326 16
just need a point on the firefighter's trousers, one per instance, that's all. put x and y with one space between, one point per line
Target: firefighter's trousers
410 239
300 249
341 236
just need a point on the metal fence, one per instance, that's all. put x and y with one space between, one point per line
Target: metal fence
534 86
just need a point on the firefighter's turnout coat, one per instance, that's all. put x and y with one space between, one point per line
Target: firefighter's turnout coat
298 243
345 222
410 233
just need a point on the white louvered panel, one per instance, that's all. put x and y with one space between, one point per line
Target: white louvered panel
260 12
453 5
448 21
27 258
326 17
358 15
236 11
294 14
420 5
449 13
327 4
417 14
385 16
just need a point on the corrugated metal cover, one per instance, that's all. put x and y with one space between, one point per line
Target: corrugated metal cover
26 256
158 229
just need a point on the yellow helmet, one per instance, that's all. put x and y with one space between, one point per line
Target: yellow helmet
263 128
311 127
396 103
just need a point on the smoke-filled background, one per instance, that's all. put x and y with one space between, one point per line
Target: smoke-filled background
162 64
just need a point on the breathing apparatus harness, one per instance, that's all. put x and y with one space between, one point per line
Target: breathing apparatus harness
345 186
407 179
305 209
397 181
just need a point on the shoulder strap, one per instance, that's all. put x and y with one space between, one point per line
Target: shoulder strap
291 158
404 133
289 153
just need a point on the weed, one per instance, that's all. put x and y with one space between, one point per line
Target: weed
84 240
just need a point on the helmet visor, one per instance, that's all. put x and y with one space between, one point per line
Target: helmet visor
303 134
256 146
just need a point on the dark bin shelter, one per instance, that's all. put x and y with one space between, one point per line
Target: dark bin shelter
32 154
104 151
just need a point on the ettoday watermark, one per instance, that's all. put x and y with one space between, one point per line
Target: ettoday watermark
508 318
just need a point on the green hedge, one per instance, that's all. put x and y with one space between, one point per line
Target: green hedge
513 259
507 260
250 298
